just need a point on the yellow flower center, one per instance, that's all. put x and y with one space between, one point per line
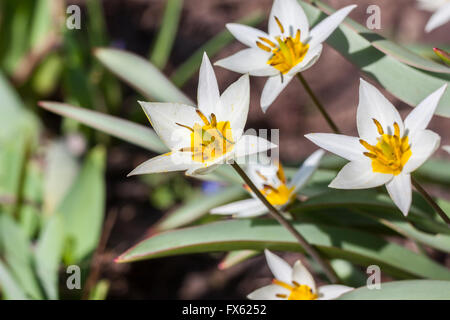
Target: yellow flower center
279 195
391 153
297 291
288 53
209 141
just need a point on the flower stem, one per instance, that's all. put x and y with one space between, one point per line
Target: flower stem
330 273
430 201
318 104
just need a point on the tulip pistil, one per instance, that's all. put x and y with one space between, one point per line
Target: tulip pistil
297 291
287 53
391 153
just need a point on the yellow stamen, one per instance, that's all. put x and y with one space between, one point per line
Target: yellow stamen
287 53
279 25
182 125
297 291
278 196
209 141
280 173
270 43
391 153
263 47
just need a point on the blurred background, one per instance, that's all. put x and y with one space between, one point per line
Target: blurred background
41 60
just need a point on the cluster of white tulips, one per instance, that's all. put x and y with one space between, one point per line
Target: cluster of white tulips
201 138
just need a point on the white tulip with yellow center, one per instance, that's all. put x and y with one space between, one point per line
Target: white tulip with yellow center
294 283
289 47
272 183
441 15
388 149
200 139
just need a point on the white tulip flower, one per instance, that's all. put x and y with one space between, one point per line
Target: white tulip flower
272 183
447 148
441 15
200 139
294 283
289 47
388 149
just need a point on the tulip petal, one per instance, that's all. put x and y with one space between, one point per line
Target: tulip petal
373 105
439 18
423 144
400 191
164 118
208 96
310 59
332 291
249 144
235 102
421 116
291 16
326 27
273 87
302 276
171 161
359 175
344 146
446 148
237 206
281 270
268 293
245 34
252 61
307 169
251 213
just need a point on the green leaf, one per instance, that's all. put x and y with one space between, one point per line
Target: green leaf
189 67
410 83
167 33
100 291
443 55
119 128
141 75
403 290
8 285
60 172
48 255
83 208
356 246
15 249
197 207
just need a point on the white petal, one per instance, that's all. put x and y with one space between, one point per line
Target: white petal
176 161
332 291
202 169
237 206
164 118
268 293
307 169
250 213
208 90
310 59
249 145
421 116
235 101
439 18
245 34
400 191
273 87
302 276
281 270
423 144
344 146
446 148
359 175
373 105
291 16
252 61
326 27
